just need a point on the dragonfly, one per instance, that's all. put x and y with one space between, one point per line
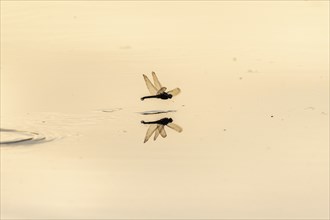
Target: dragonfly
158 127
157 90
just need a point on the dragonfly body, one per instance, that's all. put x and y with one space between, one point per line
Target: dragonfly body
157 90
162 95
157 128
163 121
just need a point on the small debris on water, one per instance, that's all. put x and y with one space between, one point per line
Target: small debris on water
252 71
126 47
111 110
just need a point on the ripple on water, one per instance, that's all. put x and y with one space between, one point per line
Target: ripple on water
154 112
11 137
42 127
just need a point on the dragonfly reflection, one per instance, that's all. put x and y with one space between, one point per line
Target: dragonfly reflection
157 90
158 127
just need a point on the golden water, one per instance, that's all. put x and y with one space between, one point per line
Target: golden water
254 108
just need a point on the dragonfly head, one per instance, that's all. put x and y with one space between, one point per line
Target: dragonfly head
170 96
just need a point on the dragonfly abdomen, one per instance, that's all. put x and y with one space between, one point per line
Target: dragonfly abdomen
149 97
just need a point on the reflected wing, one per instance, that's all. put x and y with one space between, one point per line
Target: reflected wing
174 92
150 131
175 127
162 131
156 133
163 89
152 89
156 81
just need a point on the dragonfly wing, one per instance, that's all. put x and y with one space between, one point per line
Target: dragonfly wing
163 89
162 131
156 133
174 92
150 131
156 81
175 127
152 89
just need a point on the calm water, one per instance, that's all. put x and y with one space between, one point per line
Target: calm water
254 109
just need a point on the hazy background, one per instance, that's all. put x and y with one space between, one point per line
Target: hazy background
254 109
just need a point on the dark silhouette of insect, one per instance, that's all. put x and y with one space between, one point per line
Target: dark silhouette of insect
158 127
157 90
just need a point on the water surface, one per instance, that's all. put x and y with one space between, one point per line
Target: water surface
254 108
